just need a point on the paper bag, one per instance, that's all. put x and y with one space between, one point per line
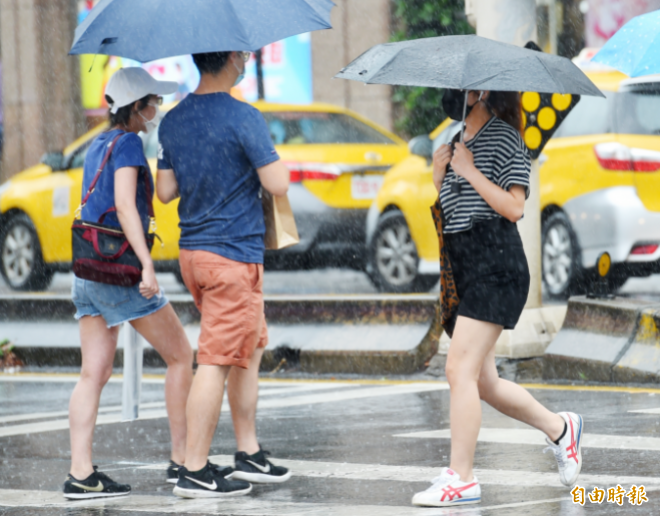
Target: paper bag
281 231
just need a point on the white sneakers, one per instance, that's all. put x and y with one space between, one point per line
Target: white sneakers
569 450
449 490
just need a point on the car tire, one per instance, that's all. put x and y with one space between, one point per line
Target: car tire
562 272
393 261
21 261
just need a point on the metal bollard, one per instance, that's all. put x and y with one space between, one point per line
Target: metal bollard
132 385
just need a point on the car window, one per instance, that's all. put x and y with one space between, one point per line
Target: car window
78 159
446 135
590 116
150 144
295 128
637 109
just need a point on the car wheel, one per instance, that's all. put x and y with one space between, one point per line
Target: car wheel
562 272
393 261
21 262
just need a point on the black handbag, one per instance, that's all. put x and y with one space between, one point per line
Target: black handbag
102 253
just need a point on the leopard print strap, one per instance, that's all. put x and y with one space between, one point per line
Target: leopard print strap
448 295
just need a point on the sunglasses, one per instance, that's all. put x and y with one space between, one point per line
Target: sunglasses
158 101
245 56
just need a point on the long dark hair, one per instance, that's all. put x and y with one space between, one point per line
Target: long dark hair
123 114
506 106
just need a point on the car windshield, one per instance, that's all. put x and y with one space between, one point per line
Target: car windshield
304 127
446 135
590 116
637 109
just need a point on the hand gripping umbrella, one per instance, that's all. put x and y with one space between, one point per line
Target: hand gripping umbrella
468 63
146 30
635 48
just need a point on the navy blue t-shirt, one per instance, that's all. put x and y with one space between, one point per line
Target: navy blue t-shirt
214 143
128 152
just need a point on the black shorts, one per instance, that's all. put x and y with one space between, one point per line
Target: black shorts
490 271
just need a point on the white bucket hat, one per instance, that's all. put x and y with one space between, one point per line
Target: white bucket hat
129 85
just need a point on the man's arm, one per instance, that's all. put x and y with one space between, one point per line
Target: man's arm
167 188
274 177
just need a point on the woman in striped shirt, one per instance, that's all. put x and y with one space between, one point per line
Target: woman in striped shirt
483 184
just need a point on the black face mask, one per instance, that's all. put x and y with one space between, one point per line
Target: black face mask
452 104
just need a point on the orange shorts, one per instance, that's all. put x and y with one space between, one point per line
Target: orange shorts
230 297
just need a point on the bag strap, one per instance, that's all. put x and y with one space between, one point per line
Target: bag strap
147 183
100 169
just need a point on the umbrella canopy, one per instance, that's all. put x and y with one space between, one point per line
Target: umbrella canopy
468 63
146 30
635 48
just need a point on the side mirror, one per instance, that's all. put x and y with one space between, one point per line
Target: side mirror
55 160
421 146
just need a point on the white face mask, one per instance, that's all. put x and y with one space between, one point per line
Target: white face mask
151 125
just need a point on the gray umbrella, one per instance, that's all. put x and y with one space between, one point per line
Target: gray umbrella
468 63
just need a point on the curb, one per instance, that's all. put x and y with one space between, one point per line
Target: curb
606 341
363 329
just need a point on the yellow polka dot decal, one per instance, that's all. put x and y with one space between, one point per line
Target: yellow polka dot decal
531 101
561 102
604 264
533 138
547 118
542 114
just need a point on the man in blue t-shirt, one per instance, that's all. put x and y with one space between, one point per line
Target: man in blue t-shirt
216 154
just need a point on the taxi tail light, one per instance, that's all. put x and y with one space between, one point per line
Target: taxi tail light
312 171
616 156
645 249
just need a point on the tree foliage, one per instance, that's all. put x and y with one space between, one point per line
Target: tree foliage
419 110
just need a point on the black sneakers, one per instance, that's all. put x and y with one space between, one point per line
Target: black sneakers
210 482
173 472
258 469
97 485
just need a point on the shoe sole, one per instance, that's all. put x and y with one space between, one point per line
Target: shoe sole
87 496
448 504
258 478
205 493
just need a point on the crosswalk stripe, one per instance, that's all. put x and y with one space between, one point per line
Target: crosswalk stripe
242 506
356 392
535 437
379 472
654 411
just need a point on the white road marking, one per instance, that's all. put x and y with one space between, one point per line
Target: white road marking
242 506
655 411
292 401
267 391
378 472
535 437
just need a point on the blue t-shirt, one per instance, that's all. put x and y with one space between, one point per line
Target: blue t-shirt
128 152
214 143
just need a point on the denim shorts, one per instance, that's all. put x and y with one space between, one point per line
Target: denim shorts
114 303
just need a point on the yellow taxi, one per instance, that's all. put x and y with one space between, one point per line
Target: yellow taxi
337 160
600 191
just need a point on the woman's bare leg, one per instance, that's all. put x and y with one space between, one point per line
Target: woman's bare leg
470 344
163 330
98 345
516 402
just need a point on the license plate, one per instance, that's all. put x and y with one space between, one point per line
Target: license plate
365 187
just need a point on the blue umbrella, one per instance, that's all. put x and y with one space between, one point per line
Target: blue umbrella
145 30
635 48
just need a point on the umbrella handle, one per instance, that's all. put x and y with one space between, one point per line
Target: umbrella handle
464 111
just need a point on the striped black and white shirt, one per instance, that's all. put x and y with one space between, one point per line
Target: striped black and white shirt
501 155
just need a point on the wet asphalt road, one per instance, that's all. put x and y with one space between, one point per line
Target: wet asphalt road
342 440
340 281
